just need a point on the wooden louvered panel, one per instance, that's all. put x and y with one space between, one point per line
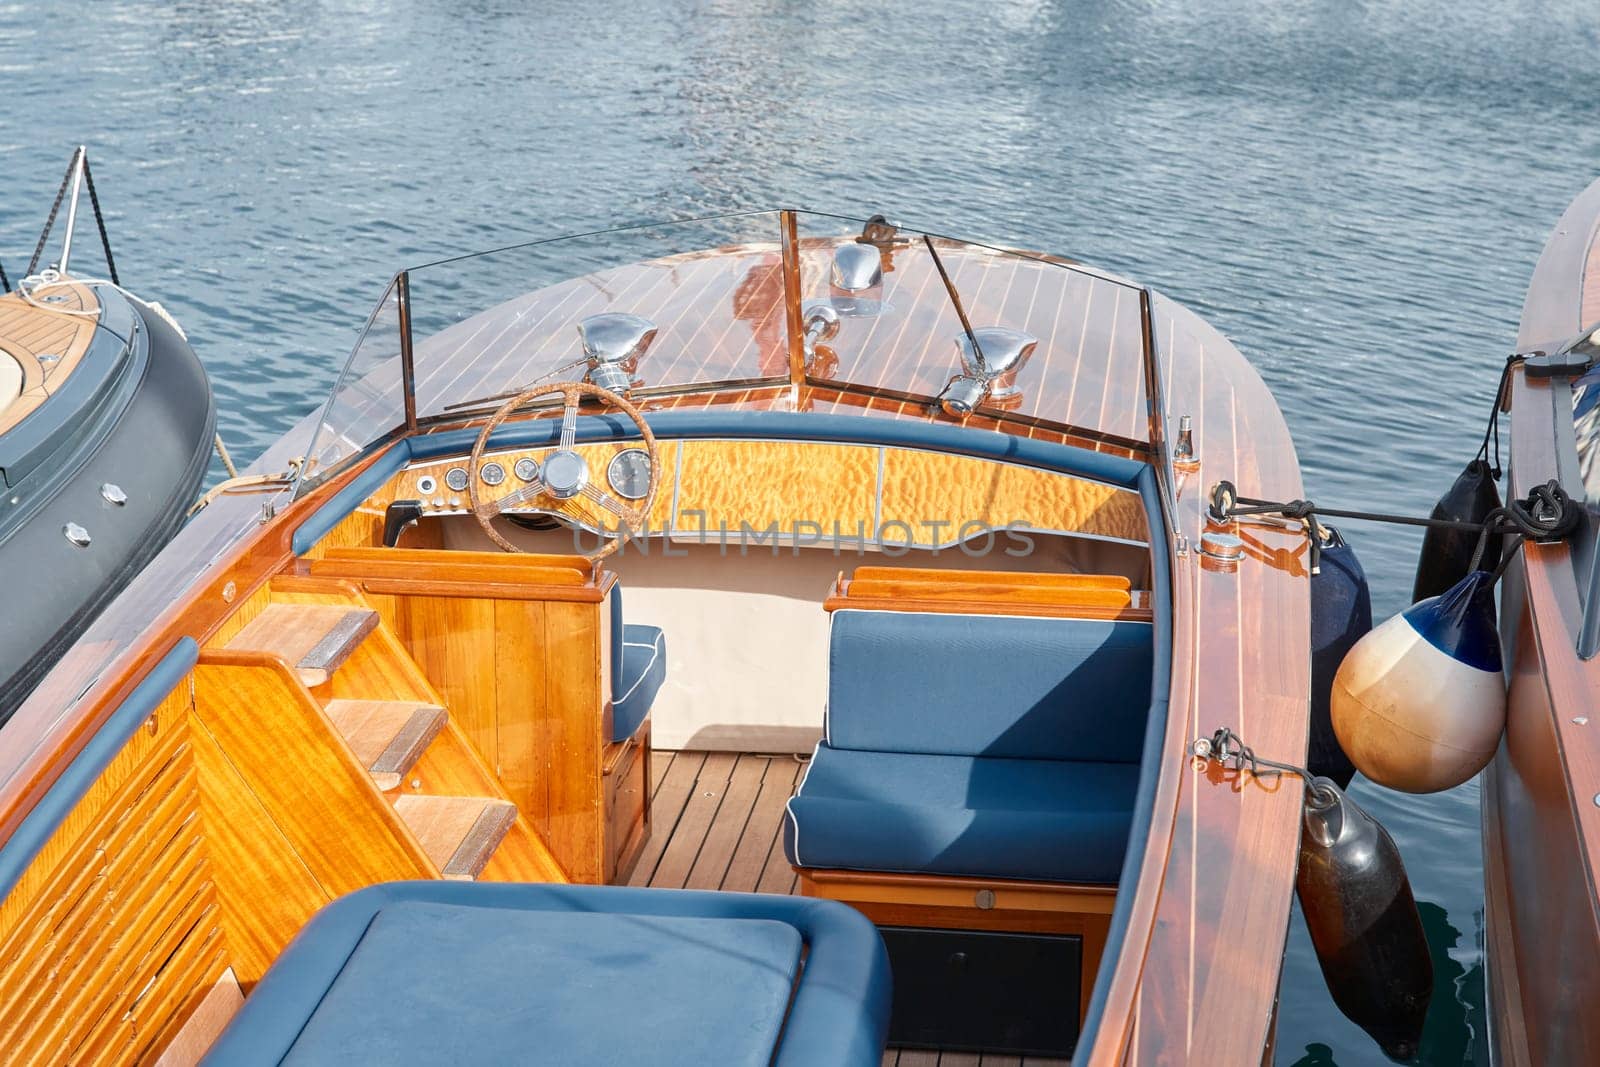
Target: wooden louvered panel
113 936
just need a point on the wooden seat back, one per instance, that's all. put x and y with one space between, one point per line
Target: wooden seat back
504 575
1086 596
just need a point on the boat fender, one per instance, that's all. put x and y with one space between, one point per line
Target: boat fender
1446 554
1420 702
1363 920
1341 614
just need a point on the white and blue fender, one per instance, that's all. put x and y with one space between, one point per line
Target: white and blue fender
1420 702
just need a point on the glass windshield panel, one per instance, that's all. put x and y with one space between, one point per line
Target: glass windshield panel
1060 343
368 401
707 302
711 290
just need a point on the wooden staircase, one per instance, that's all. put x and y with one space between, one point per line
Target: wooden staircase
377 702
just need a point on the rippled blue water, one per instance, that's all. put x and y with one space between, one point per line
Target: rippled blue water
1354 192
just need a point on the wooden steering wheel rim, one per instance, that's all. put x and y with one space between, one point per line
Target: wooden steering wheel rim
631 514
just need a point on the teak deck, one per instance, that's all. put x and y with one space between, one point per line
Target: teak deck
719 825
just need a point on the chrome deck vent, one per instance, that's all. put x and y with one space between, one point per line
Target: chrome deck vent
857 267
613 345
991 377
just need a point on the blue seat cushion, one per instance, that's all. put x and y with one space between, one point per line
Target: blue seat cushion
643 670
438 972
1036 820
989 685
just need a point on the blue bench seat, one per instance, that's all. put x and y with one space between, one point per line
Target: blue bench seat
983 746
1036 820
439 972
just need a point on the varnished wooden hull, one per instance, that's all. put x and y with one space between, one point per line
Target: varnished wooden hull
1541 794
1199 926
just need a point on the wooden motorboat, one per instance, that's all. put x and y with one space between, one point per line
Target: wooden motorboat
106 424
1541 794
816 568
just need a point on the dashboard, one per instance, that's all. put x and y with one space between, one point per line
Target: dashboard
884 493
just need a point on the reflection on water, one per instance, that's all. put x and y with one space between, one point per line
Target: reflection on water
1454 1031
1355 193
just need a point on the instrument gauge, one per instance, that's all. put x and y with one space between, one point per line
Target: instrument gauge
526 469
492 473
629 474
456 478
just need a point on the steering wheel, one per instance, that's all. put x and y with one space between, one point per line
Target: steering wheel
564 475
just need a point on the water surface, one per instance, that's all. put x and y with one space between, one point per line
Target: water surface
1354 192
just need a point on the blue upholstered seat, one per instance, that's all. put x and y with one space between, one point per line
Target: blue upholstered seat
464 973
638 669
978 745
644 668
1038 820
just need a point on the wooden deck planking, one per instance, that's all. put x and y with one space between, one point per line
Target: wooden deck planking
718 821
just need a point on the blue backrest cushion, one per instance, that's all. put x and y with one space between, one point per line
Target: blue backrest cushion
989 685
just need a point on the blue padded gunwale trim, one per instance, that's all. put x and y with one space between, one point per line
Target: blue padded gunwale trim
46 817
1150 766
389 463
709 424
839 1014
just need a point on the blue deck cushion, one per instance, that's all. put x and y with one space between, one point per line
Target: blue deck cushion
440 972
988 685
644 669
1036 820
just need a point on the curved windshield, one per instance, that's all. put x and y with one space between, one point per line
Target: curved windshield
854 310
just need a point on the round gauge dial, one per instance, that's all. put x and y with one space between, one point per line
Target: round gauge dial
526 469
426 485
629 474
456 478
492 473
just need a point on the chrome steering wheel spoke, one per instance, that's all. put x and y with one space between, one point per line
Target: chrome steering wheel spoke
569 423
594 493
534 488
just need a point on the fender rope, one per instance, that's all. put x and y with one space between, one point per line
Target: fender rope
1546 514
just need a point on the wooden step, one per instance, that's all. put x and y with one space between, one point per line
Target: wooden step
387 736
314 638
459 834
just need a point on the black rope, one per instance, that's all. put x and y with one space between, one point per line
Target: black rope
1492 430
100 221
5 283
1225 746
55 208
1546 514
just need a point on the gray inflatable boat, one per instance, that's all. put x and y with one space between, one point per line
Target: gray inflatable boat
106 424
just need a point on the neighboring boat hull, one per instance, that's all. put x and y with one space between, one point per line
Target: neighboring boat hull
148 436
1541 819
